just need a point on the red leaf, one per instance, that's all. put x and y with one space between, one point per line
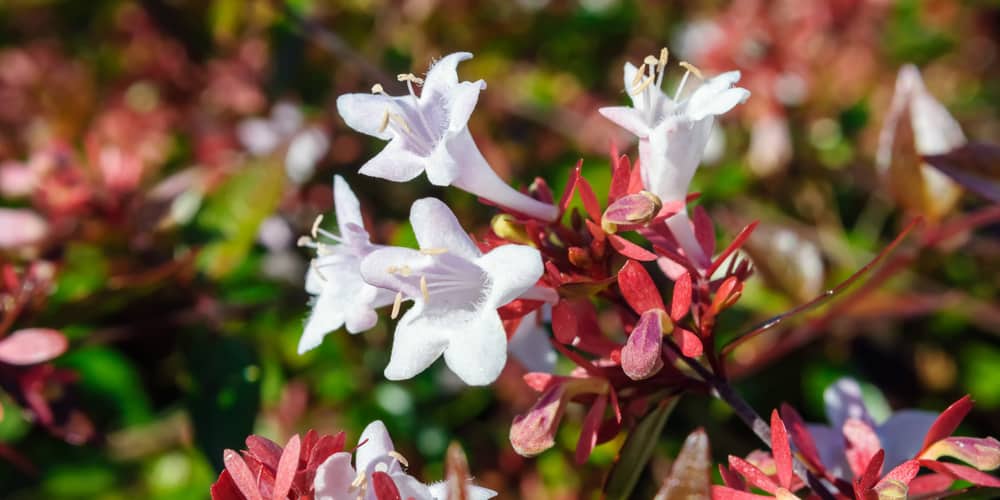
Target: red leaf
266 451
904 472
638 288
308 442
564 322
681 301
752 474
963 472
781 450
866 481
862 445
225 489
930 484
801 438
239 472
726 493
567 195
590 202
385 489
723 294
704 231
620 172
689 343
591 424
287 466
31 346
629 249
731 479
736 244
947 422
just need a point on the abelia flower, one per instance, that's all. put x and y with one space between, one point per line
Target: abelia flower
530 343
306 146
375 462
673 132
334 276
917 185
456 290
429 133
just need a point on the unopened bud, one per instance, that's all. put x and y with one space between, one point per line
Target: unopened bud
579 257
508 228
641 355
638 208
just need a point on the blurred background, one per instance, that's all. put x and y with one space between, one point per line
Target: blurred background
159 159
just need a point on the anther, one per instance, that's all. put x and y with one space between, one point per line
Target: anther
396 304
305 241
645 83
664 56
690 67
638 75
423 291
377 89
315 226
433 251
399 458
410 77
651 61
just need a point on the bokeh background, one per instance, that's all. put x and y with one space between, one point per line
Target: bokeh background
151 206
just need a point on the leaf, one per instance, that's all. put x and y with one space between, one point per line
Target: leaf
963 472
224 395
781 450
287 466
975 166
752 474
947 422
629 249
636 451
591 424
234 214
690 476
32 345
638 288
241 475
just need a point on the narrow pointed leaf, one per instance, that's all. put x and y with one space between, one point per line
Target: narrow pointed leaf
690 476
947 421
636 451
287 466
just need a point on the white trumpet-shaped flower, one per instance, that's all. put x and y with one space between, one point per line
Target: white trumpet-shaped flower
429 133
334 276
336 479
455 290
673 132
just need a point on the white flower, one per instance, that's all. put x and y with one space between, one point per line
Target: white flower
430 133
334 275
337 480
673 133
455 290
306 147
900 435
530 343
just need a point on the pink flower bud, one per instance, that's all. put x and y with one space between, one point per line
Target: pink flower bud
638 208
534 432
22 227
641 355
981 453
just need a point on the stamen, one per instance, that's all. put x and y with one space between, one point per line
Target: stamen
638 75
651 61
399 458
433 251
385 122
377 89
359 480
305 242
692 68
664 56
396 305
410 77
316 268
400 121
315 226
646 83
424 291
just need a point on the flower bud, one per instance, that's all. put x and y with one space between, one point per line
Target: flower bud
534 432
981 453
641 355
638 208
507 227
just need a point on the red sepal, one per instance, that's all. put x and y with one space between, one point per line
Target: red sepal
638 288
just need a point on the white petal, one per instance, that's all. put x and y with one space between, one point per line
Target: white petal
436 226
531 347
715 97
327 315
377 443
344 296
394 163
439 491
627 118
258 136
416 344
443 166
379 269
629 72
345 203
844 400
305 151
903 434
366 113
334 477
512 270
443 75
935 131
409 487
477 352
671 156
462 101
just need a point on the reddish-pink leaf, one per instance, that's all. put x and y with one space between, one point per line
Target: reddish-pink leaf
384 488
287 466
963 472
735 245
904 472
241 475
620 172
704 231
591 424
567 195
638 288
629 249
266 451
32 345
723 294
731 479
930 484
947 422
862 445
680 303
752 474
689 343
801 438
225 489
867 478
781 450
726 493
590 202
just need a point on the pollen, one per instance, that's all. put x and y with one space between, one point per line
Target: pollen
377 89
410 77
396 304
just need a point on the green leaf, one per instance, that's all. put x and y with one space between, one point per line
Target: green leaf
234 214
636 451
112 382
84 271
224 394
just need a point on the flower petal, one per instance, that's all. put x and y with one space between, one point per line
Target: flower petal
366 113
715 97
436 226
32 345
394 163
410 488
530 345
334 477
462 101
843 400
373 443
477 352
327 315
627 118
416 344
443 75
512 270
346 204
900 435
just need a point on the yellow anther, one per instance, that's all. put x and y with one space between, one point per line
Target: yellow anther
304 241
424 292
359 480
690 67
638 75
377 89
433 251
396 304
405 271
315 226
645 83
399 458
651 61
410 77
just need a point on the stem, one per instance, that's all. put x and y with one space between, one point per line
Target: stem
726 392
